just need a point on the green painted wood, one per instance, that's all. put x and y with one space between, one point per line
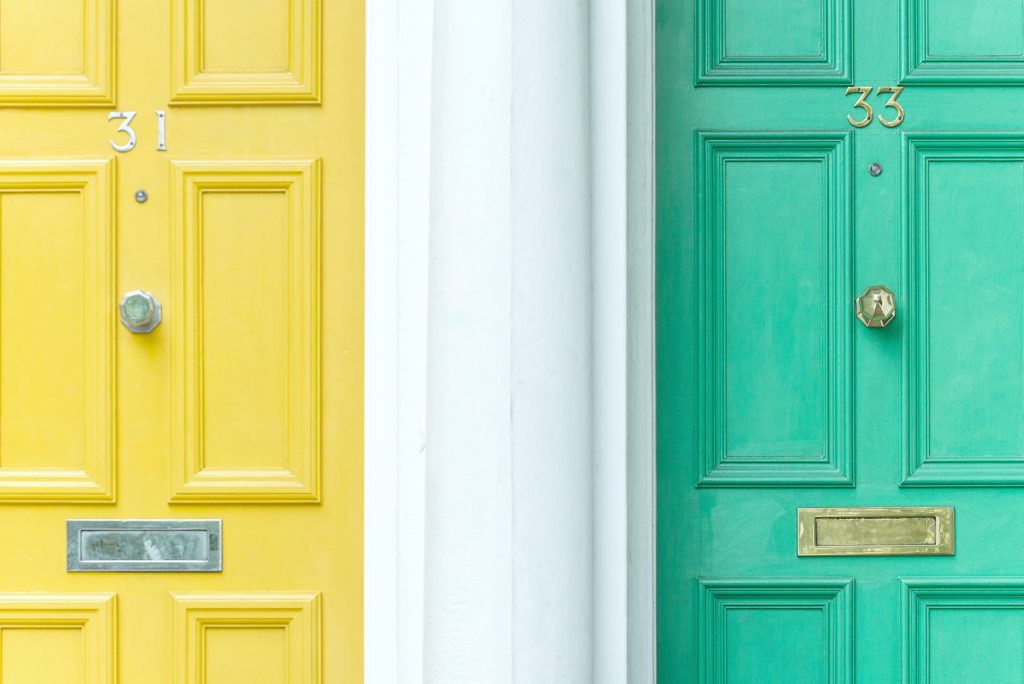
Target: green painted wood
950 41
791 422
748 627
784 41
963 630
771 397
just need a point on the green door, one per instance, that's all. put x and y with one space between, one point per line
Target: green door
774 213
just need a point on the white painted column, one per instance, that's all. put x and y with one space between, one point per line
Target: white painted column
608 161
508 580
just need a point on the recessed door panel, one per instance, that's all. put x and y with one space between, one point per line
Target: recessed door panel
271 638
965 371
800 631
241 51
963 41
57 52
58 638
56 282
961 630
247 280
775 412
755 43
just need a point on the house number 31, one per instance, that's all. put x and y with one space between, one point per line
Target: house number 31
130 139
869 114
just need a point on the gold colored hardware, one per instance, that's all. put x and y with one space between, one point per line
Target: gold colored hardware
895 90
869 113
861 102
897 531
876 306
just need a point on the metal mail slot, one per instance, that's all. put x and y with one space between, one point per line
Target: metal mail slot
144 545
926 531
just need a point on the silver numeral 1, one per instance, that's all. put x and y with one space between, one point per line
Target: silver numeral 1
161 131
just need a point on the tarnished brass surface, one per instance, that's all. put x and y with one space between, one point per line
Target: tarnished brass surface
876 306
875 531
861 102
895 90
869 114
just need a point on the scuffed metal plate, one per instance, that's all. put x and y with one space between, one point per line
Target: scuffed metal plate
897 531
144 545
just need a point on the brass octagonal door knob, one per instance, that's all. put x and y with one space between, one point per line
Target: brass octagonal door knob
876 306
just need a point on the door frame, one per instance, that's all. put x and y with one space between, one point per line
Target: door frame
399 39
640 291
397 185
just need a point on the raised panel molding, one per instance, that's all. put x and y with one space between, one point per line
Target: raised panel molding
921 64
830 599
720 62
290 470
920 467
924 599
835 466
34 618
198 616
29 472
90 82
194 80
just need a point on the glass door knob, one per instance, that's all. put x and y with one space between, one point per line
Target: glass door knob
140 311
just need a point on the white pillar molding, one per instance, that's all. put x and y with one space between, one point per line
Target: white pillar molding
509 342
609 202
468 556
509 530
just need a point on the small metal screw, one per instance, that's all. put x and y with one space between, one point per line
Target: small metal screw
141 196
875 169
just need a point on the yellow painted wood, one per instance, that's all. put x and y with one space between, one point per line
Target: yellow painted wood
246 51
258 638
57 52
245 403
246 286
66 638
56 275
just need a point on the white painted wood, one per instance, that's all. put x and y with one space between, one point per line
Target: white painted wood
524 131
509 550
380 422
468 555
397 222
609 146
622 115
552 343
414 88
640 133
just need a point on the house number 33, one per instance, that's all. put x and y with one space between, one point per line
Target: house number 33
869 113
130 138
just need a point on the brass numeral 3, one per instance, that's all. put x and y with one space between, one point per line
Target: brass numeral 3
895 90
861 102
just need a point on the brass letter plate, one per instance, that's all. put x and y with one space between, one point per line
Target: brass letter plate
144 545
924 531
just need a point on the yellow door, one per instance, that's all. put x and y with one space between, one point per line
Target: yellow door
244 404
